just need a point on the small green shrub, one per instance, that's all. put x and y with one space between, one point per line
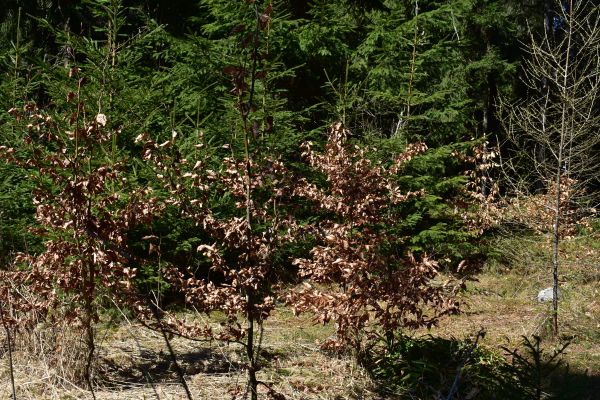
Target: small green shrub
437 368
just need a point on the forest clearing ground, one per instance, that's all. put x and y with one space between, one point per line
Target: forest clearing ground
135 364
503 301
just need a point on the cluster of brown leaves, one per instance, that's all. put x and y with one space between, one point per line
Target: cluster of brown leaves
537 212
84 210
358 275
241 279
488 209
480 208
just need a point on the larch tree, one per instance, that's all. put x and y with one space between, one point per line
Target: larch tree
555 129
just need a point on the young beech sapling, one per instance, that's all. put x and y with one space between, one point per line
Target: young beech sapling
359 275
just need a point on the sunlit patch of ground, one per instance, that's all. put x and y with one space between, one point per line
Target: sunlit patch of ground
135 364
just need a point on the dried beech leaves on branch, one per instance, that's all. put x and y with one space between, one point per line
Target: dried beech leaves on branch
241 279
488 209
537 212
359 275
84 209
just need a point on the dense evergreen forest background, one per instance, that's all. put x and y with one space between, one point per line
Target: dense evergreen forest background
393 72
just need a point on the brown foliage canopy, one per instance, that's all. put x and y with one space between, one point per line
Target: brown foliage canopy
84 210
358 274
241 280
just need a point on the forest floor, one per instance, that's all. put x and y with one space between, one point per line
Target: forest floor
134 362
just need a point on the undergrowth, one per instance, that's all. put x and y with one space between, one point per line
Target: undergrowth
431 367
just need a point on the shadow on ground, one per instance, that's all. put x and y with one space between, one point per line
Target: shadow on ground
151 366
575 386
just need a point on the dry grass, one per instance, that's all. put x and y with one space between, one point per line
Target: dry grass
503 300
47 362
134 364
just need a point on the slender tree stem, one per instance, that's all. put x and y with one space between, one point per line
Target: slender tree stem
176 365
10 357
558 180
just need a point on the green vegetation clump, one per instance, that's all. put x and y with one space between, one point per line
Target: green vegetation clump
431 367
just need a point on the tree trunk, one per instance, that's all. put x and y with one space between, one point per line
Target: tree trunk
10 358
555 243
252 367
89 289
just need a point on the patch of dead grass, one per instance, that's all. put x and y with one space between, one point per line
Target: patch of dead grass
503 300
134 364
